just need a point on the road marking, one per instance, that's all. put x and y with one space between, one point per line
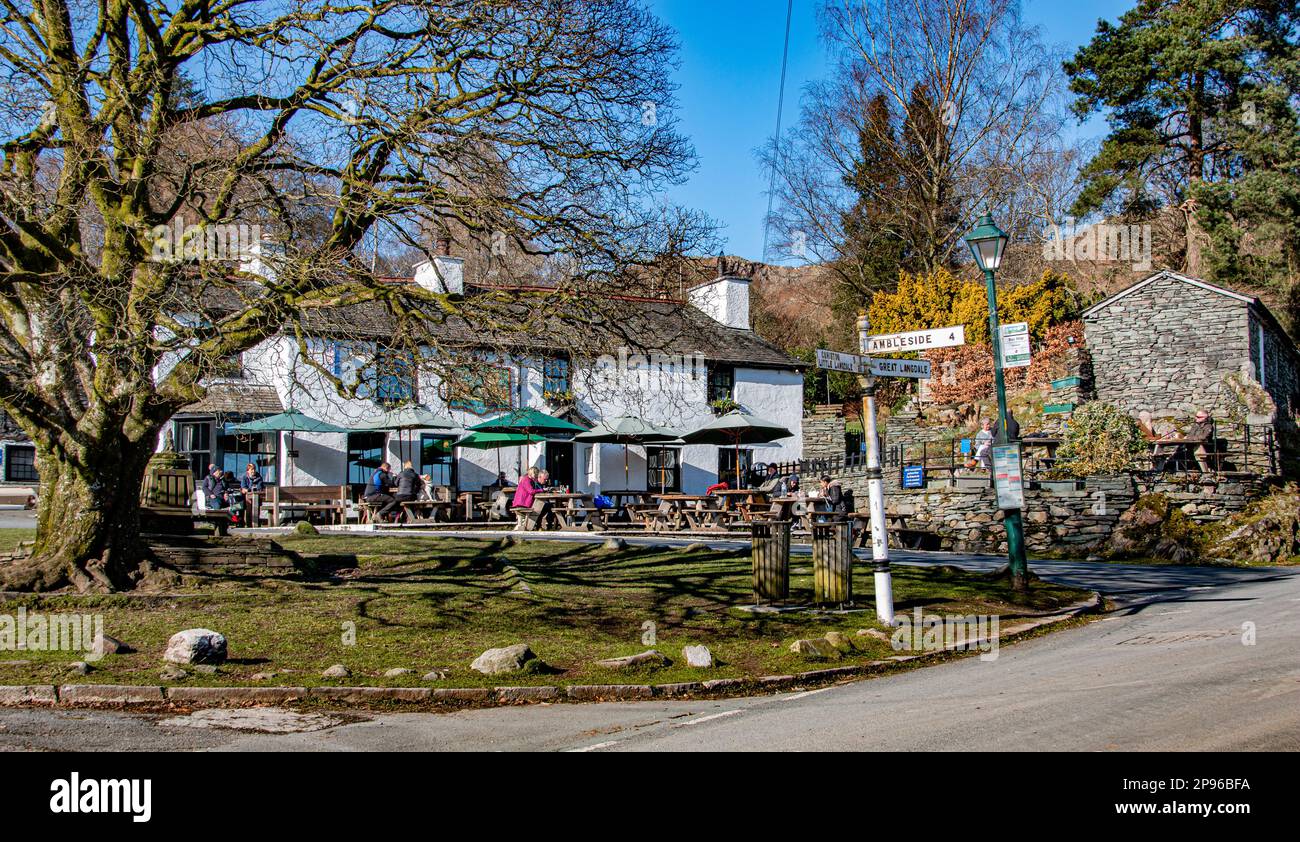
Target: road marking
711 716
805 693
595 747
1199 588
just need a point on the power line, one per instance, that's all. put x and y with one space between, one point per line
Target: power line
776 139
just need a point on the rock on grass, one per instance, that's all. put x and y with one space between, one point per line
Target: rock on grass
196 646
650 658
506 659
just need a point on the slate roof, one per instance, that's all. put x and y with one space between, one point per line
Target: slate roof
237 398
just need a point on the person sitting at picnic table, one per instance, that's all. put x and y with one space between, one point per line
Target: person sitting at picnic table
773 483
408 488
214 489
377 491
984 442
251 483
530 484
833 495
1147 427
233 496
500 481
1202 434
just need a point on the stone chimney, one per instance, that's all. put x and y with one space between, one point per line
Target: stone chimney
725 300
443 274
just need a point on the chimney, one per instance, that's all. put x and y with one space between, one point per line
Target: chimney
725 300
443 274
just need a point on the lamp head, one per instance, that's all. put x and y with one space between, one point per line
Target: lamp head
987 243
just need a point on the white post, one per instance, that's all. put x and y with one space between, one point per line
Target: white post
875 488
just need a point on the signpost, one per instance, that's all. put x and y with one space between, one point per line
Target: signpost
917 340
1015 345
868 368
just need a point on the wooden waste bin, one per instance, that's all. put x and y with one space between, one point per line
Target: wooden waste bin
832 548
771 555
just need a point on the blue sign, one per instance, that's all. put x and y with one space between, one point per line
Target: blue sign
914 476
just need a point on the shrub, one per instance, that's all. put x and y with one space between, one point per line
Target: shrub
1100 439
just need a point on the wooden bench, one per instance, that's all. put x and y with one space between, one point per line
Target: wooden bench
329 500
167 505
18 496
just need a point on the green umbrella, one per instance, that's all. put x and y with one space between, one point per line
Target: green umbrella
291 421
736 428
626 430
527 421
409 417
495 441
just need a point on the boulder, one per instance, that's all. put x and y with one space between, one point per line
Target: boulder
614 544
815 649
262 676
876 633
113 646
79 667
840 641
336 671
303 527
437 675
698 656
650 658
172 673
505 659
397 672
196 646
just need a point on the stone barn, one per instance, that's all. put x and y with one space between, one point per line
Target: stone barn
1172 344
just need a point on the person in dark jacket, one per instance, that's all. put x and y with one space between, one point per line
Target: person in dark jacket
833 494
408 485
251 483
214 489
1013 428
234 498
377 492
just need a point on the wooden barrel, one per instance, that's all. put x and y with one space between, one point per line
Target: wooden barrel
771 555
832 547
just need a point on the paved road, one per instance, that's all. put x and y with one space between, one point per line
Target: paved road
1169 672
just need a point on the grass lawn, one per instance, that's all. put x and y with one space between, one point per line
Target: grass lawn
424 602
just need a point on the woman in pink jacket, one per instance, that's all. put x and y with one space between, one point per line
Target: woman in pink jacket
528 486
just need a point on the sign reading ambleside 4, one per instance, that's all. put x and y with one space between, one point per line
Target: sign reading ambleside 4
918 340
1007 478
1015 345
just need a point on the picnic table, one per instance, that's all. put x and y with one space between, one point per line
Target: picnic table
741 500
692 509
565 507
1183 450
1049 445
426 510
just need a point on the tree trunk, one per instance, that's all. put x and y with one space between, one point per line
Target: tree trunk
87 521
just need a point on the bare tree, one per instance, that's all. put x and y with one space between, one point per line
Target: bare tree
951 105
142 129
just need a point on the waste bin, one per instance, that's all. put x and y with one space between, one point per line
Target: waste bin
832 548
771 555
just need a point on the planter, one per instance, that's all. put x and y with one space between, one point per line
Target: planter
973 482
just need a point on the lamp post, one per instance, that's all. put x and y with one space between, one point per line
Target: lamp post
987 243
875 486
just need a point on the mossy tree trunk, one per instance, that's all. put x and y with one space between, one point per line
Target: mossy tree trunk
87 519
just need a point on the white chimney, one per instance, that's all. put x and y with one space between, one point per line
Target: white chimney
259 256
725 300
443 274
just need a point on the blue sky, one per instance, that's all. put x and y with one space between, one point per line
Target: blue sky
730 74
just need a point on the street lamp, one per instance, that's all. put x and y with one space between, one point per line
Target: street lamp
987 243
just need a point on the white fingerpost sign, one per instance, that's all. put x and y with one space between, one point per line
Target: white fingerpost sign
918 340
1015 345
885 367
837 361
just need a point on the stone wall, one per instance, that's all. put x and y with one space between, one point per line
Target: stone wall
823 432
1069 518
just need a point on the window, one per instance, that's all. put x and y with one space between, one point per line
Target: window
664 468
365 454
20 463
237 450
436 460
727 466
555 377
194 441
722 380
480 389
391 376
